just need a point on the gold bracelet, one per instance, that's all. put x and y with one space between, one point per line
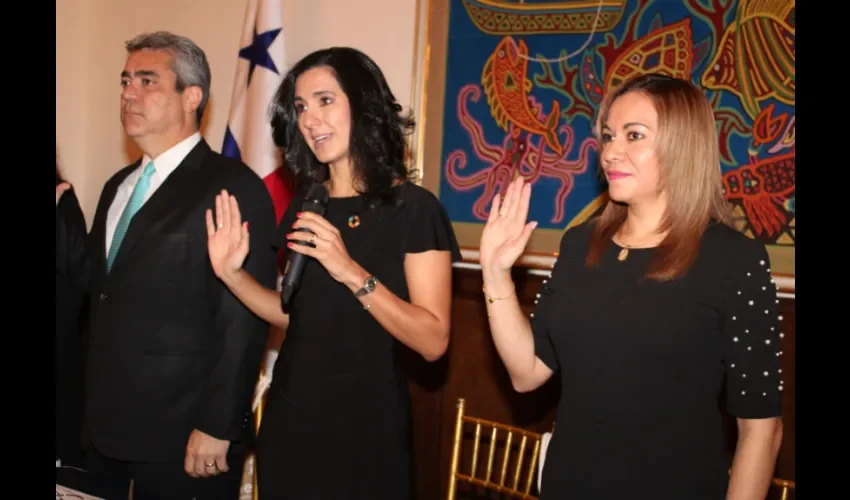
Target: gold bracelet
494 299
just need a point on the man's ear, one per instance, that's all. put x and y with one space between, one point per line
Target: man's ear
192 98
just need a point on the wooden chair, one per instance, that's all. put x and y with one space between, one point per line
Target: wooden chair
456 476
784 486
485 480
258 418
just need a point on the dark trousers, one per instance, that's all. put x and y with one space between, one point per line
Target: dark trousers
168 481
68 367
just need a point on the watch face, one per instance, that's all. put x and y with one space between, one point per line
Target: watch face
371 283
368 286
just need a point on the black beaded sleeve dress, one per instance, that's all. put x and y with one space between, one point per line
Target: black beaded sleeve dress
643 364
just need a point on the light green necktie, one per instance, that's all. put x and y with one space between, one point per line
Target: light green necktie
130 210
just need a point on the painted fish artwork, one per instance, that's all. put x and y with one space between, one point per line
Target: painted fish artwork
524 79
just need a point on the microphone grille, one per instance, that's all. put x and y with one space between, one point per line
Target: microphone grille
318 192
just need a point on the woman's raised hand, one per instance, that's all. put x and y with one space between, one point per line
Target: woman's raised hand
506 233
227 236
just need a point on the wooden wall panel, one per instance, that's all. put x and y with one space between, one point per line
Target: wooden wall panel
472 370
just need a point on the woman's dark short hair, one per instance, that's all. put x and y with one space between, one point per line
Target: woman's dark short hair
377 144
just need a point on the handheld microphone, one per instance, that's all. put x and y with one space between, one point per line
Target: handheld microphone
315 201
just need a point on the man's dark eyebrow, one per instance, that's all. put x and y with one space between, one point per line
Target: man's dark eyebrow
141 72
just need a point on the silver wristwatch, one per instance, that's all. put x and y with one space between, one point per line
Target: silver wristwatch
368 286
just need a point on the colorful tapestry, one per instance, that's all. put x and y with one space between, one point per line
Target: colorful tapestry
524 79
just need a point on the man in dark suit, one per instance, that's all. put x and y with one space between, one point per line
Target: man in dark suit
173 356
68 353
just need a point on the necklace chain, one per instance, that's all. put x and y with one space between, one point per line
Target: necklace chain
624 253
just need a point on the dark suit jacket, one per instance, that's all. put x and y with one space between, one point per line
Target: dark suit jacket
171 349
70 305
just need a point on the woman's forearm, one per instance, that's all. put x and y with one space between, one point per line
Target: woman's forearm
262 301
755 459
413 325
511 333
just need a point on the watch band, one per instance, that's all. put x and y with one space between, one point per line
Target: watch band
368 286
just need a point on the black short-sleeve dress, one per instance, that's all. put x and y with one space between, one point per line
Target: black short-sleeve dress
642 365
337 418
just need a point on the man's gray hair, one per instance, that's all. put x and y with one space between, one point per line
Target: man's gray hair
188 61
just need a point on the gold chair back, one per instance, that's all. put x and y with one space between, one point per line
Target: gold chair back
258 417
785 486
527 441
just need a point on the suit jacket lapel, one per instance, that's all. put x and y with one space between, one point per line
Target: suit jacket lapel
162 202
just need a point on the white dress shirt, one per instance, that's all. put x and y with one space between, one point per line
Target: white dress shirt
164 164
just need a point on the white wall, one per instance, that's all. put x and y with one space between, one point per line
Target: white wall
90 37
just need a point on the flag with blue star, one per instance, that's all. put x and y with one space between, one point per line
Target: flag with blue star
248 137
259 71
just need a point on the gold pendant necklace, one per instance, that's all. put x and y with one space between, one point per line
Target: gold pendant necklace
624 253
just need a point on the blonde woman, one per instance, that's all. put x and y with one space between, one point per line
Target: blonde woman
650 309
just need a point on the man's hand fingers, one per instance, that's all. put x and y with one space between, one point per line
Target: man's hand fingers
205 455
189 465
202 468
221 462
